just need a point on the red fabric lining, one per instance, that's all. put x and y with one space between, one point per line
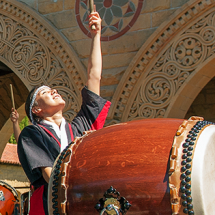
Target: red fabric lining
99 122
71 133
36 202
50 133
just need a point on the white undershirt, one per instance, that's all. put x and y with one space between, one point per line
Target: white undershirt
60 131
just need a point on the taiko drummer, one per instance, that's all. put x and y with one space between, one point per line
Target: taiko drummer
40 144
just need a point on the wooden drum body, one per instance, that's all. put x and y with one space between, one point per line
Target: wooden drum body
133 168
8 197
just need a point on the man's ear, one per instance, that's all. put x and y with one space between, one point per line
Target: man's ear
36 110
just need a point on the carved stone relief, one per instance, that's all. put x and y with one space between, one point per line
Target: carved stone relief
38 55
166 62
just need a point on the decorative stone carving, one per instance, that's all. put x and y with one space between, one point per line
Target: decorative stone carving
165 62
39 54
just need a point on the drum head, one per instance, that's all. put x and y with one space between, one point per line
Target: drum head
203 173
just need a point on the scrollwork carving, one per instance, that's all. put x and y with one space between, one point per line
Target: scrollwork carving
208 35
171 70
157 90
176 62
24 51
31 58
29 49
188 51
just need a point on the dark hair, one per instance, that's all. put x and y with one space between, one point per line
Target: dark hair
28 103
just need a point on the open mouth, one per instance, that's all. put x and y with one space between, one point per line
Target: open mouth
57 96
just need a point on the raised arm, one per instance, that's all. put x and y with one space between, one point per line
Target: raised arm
95 59
16 129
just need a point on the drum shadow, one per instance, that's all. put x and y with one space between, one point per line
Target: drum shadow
166 177
164 207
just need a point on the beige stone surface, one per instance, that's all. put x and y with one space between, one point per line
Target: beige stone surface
200 80
159 17
11 172
155 5
112 76
61 20
131 42
118 60
31 3
177 113
107 91
144 22
192 89
68 4
82 47
73 34
16 183
177 3
49 6
114 61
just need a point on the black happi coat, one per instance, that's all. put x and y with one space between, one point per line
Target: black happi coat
39 146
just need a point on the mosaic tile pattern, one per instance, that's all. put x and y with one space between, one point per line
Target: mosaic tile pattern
118 16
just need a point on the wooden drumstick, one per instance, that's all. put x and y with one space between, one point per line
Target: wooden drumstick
91 3
12 97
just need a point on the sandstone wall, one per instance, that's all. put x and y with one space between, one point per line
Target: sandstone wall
14 176
117 53
204 104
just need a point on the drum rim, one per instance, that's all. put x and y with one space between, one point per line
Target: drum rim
180 170
8 186
59 168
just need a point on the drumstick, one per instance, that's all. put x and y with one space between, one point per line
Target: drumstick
12 97
91 3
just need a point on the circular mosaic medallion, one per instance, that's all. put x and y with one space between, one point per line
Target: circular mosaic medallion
118 16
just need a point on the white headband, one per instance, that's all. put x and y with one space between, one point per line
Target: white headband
33 100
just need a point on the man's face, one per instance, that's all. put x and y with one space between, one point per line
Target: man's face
49 101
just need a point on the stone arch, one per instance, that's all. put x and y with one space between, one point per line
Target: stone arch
173 58
185 96
34 50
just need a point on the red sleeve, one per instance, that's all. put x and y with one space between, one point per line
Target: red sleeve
93 113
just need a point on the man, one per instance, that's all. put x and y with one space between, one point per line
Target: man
39 144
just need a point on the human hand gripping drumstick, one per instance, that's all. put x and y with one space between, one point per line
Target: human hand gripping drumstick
92 9
95 20
12 97
14 116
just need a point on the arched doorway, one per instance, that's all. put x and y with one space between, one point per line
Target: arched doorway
37 54
204 103
7 77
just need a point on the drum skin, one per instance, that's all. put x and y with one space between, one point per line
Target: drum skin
7 206
132 157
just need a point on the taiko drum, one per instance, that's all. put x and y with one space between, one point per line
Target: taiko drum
8 197
137 167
